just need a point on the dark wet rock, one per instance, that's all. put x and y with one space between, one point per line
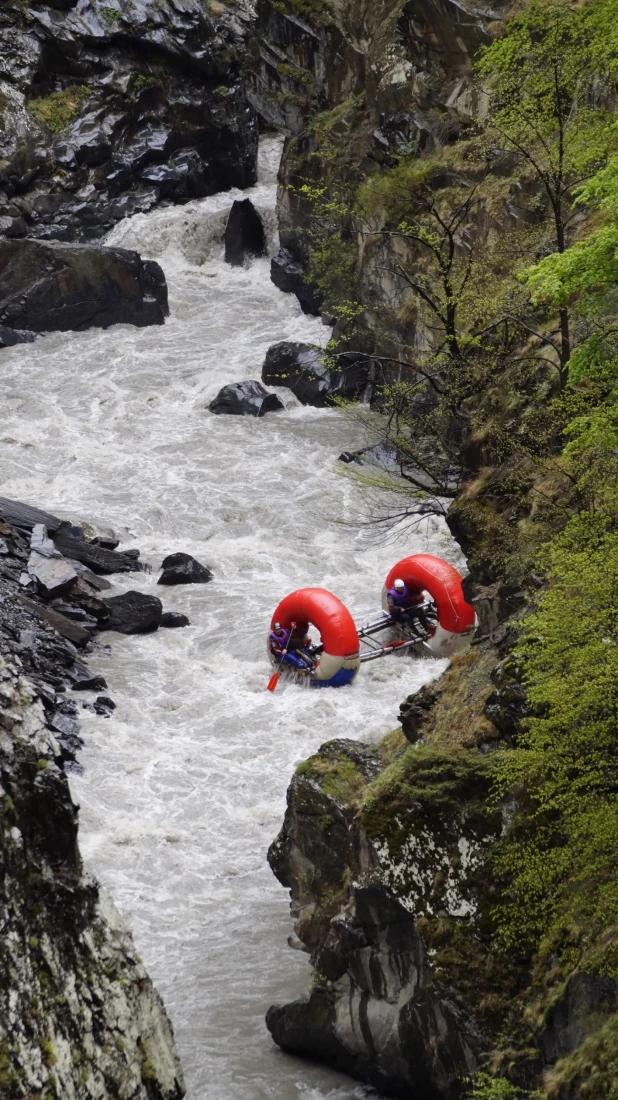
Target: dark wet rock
10 336
96 558
244 233
183 569
66 628
420 1049
288 275
85 680
173 619
150 106
103 705
25 516
108 542
133 613
378 454
63 945
47 286
300 368
89 579
245 399
378 1010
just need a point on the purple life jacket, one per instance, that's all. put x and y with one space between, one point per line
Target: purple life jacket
279 642
407 598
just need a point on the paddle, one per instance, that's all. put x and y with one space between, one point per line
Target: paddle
274 680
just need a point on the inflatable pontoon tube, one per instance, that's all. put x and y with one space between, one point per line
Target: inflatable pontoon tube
443 582
340 660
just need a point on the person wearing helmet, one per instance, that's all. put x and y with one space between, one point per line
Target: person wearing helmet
405 603
279 642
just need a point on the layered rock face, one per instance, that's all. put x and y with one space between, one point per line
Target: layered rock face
79 1018
52 286
107 108
354 85
366 865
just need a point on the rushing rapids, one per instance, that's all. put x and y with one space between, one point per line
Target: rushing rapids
184 787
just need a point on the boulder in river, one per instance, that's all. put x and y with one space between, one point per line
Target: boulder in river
10 336
245 399
47 286
133 613
377 454
244 233
173 619
183 569
301 369
289 276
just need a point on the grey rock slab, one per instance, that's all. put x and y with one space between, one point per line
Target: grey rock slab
54 575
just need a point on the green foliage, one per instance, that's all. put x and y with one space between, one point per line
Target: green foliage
142 81
436 782
486 1087
560 853
540 76
59 109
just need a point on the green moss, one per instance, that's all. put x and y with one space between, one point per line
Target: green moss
48 1052
392 746
434 781
9 1074
141 82
42 764
592 1069
149 1070
59 109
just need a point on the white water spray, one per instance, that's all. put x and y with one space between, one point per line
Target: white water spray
184 787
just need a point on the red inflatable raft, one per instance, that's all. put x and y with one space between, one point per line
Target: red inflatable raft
455 617
340 660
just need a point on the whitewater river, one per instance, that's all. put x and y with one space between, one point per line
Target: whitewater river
184 787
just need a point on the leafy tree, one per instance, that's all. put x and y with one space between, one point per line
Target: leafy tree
549 103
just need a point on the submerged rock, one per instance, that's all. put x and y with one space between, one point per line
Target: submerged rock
245 399
183 569
52 286
133 613
9 337
301 369
173 619
244 233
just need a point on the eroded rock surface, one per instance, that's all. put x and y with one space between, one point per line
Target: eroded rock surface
79 1018
108 109
54 286
247 398
301 368
363 869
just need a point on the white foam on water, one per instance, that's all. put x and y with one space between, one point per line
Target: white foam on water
184 787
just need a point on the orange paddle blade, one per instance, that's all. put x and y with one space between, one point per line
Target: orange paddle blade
274 680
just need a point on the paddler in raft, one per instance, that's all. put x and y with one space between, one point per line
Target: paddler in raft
405 605
299 658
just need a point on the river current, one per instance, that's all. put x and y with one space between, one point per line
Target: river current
184 786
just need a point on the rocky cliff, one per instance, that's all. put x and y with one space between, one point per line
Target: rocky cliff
108 107
386 850
79 1017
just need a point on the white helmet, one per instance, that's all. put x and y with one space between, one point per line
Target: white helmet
277 626
399 585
